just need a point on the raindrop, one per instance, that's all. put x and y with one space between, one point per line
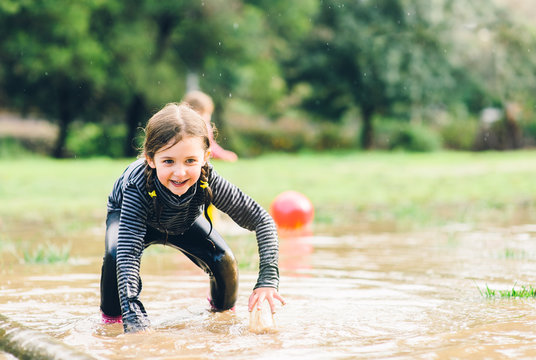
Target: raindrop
235 26
203 74
219 43
220 74
365 74
46 73
230 95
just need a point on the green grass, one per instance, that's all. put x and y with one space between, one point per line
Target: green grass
405 189
392 190
523 292
47 254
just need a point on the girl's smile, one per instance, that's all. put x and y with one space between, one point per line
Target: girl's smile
178 183
178 166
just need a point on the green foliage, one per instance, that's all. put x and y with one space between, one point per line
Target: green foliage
529 132
93 60
396 135
254 134
377 54
11 148
330 136
51 61
416 138
459 134
262 136
90 139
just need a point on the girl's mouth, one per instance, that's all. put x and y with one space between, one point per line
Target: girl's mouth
178 183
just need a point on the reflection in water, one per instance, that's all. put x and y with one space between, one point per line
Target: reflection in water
295 248
404 296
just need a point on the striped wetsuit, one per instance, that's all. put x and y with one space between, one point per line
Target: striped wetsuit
133 224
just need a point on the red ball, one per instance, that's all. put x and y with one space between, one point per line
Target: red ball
292 210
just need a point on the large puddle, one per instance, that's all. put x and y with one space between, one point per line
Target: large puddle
361 296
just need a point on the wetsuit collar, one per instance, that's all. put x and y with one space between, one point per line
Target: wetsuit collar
170 199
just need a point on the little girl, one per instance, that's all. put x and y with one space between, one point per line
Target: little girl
160 199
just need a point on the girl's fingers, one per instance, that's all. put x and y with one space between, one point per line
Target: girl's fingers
253 299
280 298
258 296
262 297
272 304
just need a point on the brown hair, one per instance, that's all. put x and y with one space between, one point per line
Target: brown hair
166 128
199 101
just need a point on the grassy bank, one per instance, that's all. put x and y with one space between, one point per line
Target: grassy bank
351 190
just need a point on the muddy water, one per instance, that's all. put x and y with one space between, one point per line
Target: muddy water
361 296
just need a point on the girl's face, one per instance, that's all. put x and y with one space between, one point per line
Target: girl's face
178 167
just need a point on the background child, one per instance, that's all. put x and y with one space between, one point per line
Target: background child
159 199
203 104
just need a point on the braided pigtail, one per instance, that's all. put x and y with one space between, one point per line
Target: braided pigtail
151 189
207 192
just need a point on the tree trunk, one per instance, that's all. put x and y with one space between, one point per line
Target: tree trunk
64 119
367 132
135 117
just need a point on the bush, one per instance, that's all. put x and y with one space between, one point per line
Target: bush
459 134
253 134
331 136
253 141
529 133
12 148
416 138
397 135
90 139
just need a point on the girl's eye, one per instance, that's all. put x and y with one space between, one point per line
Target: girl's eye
168 162
190 161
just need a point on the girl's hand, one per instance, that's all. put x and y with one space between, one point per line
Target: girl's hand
264 293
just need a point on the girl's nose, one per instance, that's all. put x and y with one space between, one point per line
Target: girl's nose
179 170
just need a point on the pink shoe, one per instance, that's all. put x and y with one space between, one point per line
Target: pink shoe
107 319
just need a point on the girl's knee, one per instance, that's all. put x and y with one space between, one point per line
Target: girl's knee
227 262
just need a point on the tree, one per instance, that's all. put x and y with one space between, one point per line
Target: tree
156 46
372 55
142 74
51 62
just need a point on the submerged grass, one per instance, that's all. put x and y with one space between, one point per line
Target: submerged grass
524 292
47 254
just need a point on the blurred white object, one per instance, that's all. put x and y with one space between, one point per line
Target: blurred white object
262 321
